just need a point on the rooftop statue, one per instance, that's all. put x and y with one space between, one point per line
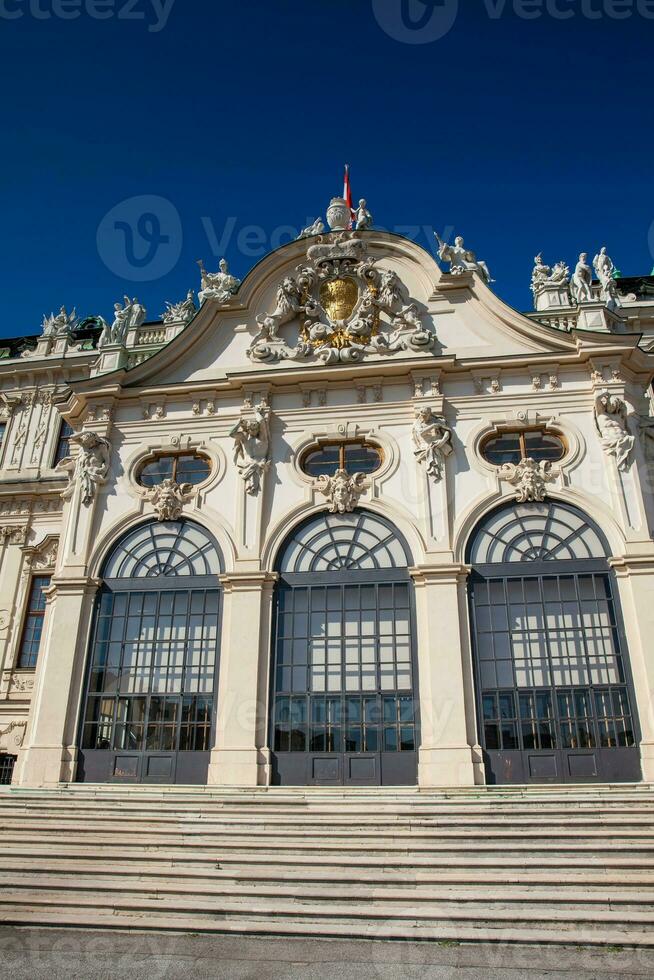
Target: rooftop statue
462 259
605 272
317 228
362 217
181 312
582 279
132 314
544 276
217 285
61 324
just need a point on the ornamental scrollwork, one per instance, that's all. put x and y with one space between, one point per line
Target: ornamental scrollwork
19 727
348 308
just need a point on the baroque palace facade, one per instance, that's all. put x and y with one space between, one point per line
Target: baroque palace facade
351 521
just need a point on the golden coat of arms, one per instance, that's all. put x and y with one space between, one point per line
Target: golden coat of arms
338 298
347 308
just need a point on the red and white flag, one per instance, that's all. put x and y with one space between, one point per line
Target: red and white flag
347 190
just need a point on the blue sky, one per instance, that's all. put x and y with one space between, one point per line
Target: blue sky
230 123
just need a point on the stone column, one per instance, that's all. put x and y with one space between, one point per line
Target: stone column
49 753
241 756
635 578
449 752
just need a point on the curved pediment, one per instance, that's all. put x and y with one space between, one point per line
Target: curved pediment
343 298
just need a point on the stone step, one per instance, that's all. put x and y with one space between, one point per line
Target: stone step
339 844
473 898
420 834
404 858
357 929
533 865
567 919
528 797
628 881
642 822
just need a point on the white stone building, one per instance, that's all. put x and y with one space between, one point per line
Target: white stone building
352 521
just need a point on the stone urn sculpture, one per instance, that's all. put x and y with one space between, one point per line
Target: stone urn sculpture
339 217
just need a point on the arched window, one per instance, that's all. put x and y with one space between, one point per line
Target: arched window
552 679
168 549
149 710
535 532
343 678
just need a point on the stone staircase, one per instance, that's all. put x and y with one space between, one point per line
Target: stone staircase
567 865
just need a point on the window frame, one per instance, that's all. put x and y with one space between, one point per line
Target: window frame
61 438
175 456
341 444
521 433
27 613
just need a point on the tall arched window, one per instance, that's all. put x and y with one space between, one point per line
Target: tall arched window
343 682
553 688
149 706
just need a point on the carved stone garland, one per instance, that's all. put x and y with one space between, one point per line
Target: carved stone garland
340 296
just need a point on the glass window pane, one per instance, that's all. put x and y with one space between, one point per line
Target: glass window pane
156 471
503 449
544 446
360 458
192 469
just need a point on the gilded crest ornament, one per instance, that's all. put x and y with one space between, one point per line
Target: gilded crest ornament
338 297
345 307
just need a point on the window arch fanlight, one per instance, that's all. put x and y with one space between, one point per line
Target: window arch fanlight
168 548
535 532
344 542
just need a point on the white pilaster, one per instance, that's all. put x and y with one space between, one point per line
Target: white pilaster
449 753
241 756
